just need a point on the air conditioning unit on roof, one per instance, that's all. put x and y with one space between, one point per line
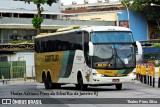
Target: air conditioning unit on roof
99 1
74 2
106 1
86 1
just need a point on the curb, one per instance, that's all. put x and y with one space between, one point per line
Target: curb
14 81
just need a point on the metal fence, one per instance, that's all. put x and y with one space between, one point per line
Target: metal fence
17 71
150 55
147 74
12 69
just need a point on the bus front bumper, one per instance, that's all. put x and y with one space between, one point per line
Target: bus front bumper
112 80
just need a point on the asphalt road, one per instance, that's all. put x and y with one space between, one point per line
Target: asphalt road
105 95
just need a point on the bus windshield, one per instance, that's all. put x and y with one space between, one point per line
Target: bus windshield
112 52
111 37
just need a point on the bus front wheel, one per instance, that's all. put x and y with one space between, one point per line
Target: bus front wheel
80 84
118 86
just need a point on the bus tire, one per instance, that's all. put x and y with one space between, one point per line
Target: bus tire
48 83
118 86
80 85
77 86
45 81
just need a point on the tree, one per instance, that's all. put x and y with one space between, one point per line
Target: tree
37 20
148 8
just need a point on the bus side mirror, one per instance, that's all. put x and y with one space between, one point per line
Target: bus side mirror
90 49
134 43
139 47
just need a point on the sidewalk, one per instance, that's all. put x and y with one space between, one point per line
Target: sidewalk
15 81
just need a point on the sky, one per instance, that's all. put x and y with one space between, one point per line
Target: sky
67 2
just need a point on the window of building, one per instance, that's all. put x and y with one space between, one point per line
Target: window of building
124 23
26 15
15 15
6 14
3 58
54 16
21 58
48 16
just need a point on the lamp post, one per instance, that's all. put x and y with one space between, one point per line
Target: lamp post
152 4
127 13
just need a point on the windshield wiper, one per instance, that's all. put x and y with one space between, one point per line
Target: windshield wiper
116 55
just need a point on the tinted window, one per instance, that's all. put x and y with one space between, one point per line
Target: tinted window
63 42
112 37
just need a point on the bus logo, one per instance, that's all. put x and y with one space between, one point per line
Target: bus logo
6 101
51 58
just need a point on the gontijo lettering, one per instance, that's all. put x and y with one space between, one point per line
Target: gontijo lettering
51 58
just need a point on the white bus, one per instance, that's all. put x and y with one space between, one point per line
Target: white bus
85 56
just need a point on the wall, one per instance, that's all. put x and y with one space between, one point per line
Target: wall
24 56
29 58
101 16
138 24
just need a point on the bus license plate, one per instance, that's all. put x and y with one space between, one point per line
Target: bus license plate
115 80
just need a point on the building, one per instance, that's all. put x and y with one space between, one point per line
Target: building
16 16
16 20
17 60
105 10
137 23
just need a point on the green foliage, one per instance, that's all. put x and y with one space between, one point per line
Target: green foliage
36 21
22 41
145 8
49 2
150 57
156 45
41 9
39 1
125 3
36 1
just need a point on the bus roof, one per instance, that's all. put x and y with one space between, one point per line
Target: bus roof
84 28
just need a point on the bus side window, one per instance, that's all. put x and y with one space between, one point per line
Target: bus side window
59 46
78 40
65 46
73 46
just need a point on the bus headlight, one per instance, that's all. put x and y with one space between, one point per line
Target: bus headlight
98 75
131 74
